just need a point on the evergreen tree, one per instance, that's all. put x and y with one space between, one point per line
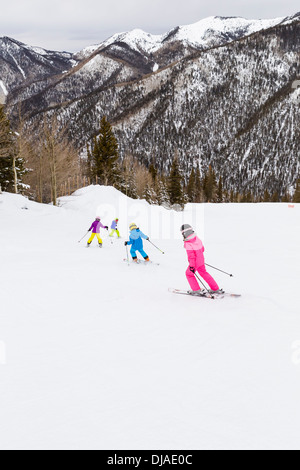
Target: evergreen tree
127 185
127 181
286 197
226 196
275 197
267 197
246 197
162 193
220 197
210 185
11 164
6 151
103 155
296 197
191 188
89 166
149 194
198 187
153 172
175 184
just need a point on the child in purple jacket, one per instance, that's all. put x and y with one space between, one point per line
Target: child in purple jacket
195 249
95 228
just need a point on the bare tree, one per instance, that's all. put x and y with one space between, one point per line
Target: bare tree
57 152
50 158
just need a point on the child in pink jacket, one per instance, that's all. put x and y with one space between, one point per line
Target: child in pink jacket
195 250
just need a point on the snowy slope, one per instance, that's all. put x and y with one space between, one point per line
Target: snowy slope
100 355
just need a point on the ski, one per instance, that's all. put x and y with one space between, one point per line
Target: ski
141 261
221 295
205 295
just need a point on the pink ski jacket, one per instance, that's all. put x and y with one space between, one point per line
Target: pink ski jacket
195 249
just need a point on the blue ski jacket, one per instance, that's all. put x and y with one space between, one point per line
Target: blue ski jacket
135 239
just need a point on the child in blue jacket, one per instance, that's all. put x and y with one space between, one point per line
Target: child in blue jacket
136 241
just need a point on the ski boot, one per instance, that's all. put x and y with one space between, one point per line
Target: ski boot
196 292
219 291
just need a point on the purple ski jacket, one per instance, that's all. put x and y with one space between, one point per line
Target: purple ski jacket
96 226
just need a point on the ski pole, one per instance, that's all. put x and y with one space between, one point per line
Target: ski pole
200 280
231 275
83 237
127 255
156 247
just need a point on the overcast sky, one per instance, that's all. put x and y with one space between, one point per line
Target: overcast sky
73 24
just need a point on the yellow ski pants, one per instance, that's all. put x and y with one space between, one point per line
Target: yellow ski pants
93 236
113 232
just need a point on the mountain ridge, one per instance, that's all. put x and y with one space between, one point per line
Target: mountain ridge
154 56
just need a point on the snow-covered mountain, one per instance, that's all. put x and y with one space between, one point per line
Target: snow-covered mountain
219 92
212 31
150 52
21 64
219 30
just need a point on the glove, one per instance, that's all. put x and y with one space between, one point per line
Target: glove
106 227
89 230
148 238
125 243
193 270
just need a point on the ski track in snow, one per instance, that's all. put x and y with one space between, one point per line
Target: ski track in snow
99 355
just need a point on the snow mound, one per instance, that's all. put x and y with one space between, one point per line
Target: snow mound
14 202
108 203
